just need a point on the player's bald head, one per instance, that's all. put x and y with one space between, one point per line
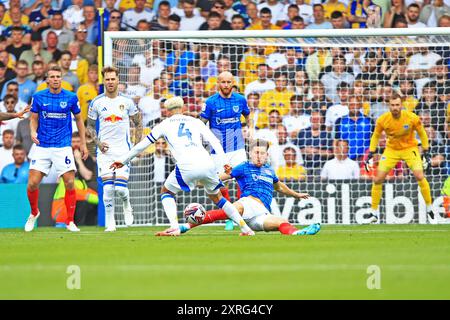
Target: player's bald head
226 75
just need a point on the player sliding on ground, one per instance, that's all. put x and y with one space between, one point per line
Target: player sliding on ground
400 127
193 163
257 181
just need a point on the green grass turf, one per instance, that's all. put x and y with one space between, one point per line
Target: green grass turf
210 263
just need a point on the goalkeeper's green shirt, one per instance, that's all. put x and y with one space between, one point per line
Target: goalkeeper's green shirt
446 188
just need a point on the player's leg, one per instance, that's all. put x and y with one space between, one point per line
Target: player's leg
387 161
121 188
273 223
34 179
70 199
414 162
108 202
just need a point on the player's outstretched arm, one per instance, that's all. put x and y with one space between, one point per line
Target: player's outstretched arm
284 189
82 131
8 116
137 149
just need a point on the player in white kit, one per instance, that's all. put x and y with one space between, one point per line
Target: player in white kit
193 163
114 112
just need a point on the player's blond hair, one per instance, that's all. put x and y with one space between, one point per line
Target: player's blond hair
174 103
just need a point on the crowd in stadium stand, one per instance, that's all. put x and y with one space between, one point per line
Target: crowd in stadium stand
316 106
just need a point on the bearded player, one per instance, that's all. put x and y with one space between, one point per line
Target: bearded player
114 112
400 127
257 181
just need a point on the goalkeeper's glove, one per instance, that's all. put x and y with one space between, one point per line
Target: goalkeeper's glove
426 161
367 163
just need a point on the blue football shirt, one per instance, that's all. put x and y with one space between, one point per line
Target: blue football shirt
256 181
55 119
224 116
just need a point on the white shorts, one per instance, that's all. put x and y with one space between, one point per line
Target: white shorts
232 158
255 213
186 179
42 159
104 161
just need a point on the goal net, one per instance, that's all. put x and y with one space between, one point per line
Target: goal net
314 95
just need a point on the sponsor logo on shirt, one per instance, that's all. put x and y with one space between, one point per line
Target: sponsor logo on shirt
53 115
113 118
227 121
266 179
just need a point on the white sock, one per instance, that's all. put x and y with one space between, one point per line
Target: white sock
234 215
108 201
170 208
429 207
123 193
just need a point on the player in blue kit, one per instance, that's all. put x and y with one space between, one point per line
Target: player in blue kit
223 111
257 181
51 131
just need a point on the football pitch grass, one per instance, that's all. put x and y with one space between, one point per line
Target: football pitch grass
209 263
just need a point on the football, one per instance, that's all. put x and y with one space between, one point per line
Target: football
194 213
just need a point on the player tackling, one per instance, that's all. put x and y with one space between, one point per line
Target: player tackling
193 163
113 111
257 181
51 131
400 127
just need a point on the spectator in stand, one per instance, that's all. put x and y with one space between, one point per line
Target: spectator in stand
429 102
278 98
332 79
305 11
284 141
52 46
338 21
291 171
382 104
212 22
161 161
57 26
219 8
397 11
432 12
437 151
115 16
355 128
208 67
238 22
178 60
3 79
364 14
132 16
10 103
36 53
412 16
90 23
190 21
262 84
12 88
88 50
270 134
442 82
7 149
73 15
88 91
420 67
318 61
401 23
331 6
26 86
340 167
276 8
319 19
315 143
41 15
297 120
258 117
174 22
195 102
16 172
17 46
160 22
205 7
340 109
292 12
265 22
150 105
78 64
67 74
143 25
317 99
248 67
301 82
253 13
444 21
23 134
17 22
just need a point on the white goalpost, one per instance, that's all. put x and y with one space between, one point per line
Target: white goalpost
300 103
